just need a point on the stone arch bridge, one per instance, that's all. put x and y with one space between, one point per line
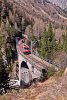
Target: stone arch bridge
31 67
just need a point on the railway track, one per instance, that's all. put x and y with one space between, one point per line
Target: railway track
36 61
33 59
37 64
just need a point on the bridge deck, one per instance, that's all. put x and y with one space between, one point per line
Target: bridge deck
36 61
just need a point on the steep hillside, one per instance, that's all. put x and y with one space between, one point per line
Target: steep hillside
43 9
37 13
61 3
50 90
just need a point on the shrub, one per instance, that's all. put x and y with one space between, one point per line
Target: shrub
4 98
51 71
59 73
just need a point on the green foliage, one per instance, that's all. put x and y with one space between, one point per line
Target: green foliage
51 71
3 67
3 73
0 11
59 73
44 46
59 46
4 98
50 29
9 54
32 38
65 42
47 43
11 32
2 44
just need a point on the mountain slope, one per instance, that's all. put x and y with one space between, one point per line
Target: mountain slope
60 3
43 8
39 13
51 89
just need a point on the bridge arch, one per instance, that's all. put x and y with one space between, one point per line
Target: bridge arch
25 73
24 65
26 70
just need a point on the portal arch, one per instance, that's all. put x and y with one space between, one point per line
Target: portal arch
25 73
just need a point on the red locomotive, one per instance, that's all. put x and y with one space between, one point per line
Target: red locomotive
24 48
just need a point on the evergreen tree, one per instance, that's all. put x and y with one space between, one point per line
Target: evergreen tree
0 10
65 42
48 43
59 46
43 45
3 73
3 67
10 31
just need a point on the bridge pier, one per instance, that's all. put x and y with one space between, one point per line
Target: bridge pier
26 71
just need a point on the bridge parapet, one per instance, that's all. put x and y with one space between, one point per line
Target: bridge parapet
47 64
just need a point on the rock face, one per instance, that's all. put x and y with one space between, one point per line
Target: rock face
61 3
42 8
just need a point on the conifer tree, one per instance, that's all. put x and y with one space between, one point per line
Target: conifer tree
65 42
48 44
3 67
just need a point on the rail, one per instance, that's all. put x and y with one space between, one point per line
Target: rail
37 62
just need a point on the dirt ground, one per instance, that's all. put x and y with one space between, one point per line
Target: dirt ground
51 89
